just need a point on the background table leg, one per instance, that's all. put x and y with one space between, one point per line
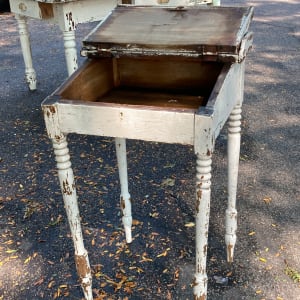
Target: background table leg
30 75
67 184
125 201
203 183
70 51
234 141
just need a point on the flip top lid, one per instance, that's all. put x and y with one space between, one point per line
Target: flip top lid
211 32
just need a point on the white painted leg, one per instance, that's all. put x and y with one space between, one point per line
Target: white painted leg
125 196
30 75
67 184
233 149
216 2
203 183
70 51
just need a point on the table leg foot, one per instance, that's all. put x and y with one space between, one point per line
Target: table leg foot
70 51
125 200
67 184
234 140
30 75
203 183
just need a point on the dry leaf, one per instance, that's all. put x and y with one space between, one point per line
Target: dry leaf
168 182
267 200
190 224
262 259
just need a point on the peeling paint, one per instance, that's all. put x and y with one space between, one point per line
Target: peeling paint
198 200
52 109
201 297
199 269
67 189
194 283
199 194
71 22
197 205
82 265
123 203
83 270
229 253
57 138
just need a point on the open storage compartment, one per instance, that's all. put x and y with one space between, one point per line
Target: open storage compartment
158 68
167 83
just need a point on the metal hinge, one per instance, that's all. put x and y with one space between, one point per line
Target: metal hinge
88 51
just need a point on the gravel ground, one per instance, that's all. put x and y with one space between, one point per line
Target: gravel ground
36 252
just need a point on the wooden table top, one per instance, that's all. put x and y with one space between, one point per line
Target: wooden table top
197 28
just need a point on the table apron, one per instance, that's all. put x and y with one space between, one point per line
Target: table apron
133 123
66 14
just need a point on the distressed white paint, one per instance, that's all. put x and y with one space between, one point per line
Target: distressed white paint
52 122
67 184
188 127
30 75
125 201
203 183
67 14
127 122
233 153
70 51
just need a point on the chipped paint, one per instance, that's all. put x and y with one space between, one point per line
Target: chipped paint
230 253
199 194
67 188
123 205
52 122
194 282
198 199
201 297
84 271
71 22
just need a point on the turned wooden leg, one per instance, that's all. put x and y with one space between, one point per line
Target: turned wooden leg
70 51
234 140
30 75
203 183
67 184
125 201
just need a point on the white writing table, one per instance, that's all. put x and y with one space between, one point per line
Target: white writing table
175 78
67 14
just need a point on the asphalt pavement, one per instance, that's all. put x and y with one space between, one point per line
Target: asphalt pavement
35 249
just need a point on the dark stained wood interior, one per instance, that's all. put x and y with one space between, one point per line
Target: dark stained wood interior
149 81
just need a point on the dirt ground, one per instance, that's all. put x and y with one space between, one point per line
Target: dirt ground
36 251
